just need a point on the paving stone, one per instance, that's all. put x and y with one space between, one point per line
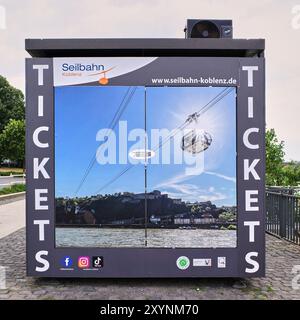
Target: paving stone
281 256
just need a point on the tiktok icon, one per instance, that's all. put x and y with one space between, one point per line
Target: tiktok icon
98 262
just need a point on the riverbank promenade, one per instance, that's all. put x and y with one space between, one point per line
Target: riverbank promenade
280 282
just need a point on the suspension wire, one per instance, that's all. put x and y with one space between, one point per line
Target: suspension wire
196 115
205 108
121 108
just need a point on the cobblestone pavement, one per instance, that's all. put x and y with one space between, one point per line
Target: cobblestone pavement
281 257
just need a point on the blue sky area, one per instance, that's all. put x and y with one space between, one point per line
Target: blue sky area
80 112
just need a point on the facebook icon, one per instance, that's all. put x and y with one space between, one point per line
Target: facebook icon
66 262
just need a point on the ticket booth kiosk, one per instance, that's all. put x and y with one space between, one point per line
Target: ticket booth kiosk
145 157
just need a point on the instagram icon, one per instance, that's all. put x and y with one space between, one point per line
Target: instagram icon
83 262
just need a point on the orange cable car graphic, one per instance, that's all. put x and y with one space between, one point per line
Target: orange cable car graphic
103 80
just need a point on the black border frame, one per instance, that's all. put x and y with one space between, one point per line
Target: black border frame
142 262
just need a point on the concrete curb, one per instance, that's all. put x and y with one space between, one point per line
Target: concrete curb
14 176
7 198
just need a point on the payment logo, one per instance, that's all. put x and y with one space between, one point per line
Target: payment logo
66 262
98 262
83 262
202 262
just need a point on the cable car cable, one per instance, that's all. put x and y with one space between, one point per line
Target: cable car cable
113 123
205 108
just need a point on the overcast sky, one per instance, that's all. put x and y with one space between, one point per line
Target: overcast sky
273 20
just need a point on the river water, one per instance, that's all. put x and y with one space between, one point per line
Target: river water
166 238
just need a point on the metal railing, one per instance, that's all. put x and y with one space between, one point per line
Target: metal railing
283 215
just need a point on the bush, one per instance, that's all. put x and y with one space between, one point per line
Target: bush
227 216
231 227
13 189
8 173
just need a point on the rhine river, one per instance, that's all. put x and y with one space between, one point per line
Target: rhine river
166 238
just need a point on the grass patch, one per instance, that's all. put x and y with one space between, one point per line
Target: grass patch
261 297
270 289
13 189
256 292
9 173
48 298
4 171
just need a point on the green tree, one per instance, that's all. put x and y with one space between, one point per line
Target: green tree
227 216
12 141
291 174
274 159
195 209
11 103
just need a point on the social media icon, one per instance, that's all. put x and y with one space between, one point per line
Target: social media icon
66 262
97 262
83 262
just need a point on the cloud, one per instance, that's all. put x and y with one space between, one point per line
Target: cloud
212 197
176 180
201 196
190 192
222 176
140 18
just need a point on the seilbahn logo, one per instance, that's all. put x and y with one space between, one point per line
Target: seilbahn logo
82 67
97 69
